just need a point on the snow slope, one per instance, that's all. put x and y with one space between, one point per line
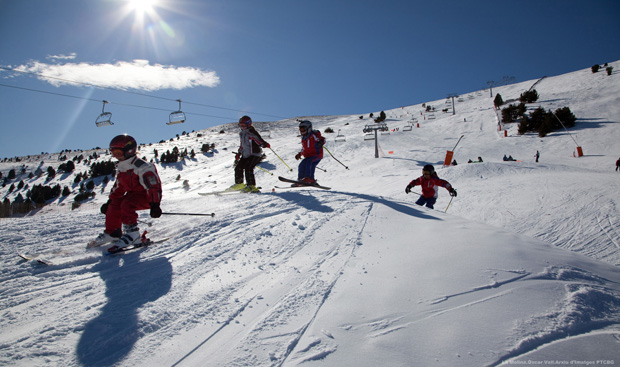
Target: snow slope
521 269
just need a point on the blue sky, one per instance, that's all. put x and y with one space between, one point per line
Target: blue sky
271 59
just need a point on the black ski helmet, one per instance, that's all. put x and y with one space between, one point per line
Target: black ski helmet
245 120
305 124
126 143
429 168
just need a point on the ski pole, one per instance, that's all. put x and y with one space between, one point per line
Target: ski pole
262 169
445 211
330 153
143 222
197 214
289 168
324 170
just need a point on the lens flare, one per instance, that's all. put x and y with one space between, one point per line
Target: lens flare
142 6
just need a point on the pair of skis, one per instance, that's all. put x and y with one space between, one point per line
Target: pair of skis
145 242
38 258
228 191
296 184
44 257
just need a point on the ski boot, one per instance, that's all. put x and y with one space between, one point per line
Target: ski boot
251 189
130 237
236 187
104 238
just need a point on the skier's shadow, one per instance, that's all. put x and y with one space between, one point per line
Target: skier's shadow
130 284
307 201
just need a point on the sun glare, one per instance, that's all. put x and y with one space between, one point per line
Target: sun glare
142 6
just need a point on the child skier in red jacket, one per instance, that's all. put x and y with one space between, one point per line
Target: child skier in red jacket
430 183
311 149
137 187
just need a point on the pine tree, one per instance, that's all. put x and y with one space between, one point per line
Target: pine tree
498 101
51 172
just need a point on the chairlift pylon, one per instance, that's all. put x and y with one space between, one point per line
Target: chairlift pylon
105 118
176 117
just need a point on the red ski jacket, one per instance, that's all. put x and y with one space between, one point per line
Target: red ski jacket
430 186
312 144
134 176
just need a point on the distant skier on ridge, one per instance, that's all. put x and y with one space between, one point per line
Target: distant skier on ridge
430 183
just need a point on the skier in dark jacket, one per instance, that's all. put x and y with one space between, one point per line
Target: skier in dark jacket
617 164
248 156
430 183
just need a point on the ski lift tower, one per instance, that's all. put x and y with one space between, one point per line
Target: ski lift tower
452 95
377 127
491 84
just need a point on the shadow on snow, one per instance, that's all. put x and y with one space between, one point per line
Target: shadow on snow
130 283
311 203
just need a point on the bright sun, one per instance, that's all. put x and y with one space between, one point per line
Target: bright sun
142 6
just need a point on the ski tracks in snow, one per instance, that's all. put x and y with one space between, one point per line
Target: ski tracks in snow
255 275
255 279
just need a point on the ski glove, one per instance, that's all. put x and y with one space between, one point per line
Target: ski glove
452 192
155 210
266 145
237 156
104 207
298 156
408 189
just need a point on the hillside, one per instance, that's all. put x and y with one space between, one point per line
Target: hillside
522 267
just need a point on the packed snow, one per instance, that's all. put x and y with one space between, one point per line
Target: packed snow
520 268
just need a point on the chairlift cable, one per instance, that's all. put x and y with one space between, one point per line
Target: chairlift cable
116 103
53 93
135 93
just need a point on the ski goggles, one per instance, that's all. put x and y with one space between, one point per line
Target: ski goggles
117 152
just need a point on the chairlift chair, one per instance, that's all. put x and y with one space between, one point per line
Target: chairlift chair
176 117
340 137
369 136
105 118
